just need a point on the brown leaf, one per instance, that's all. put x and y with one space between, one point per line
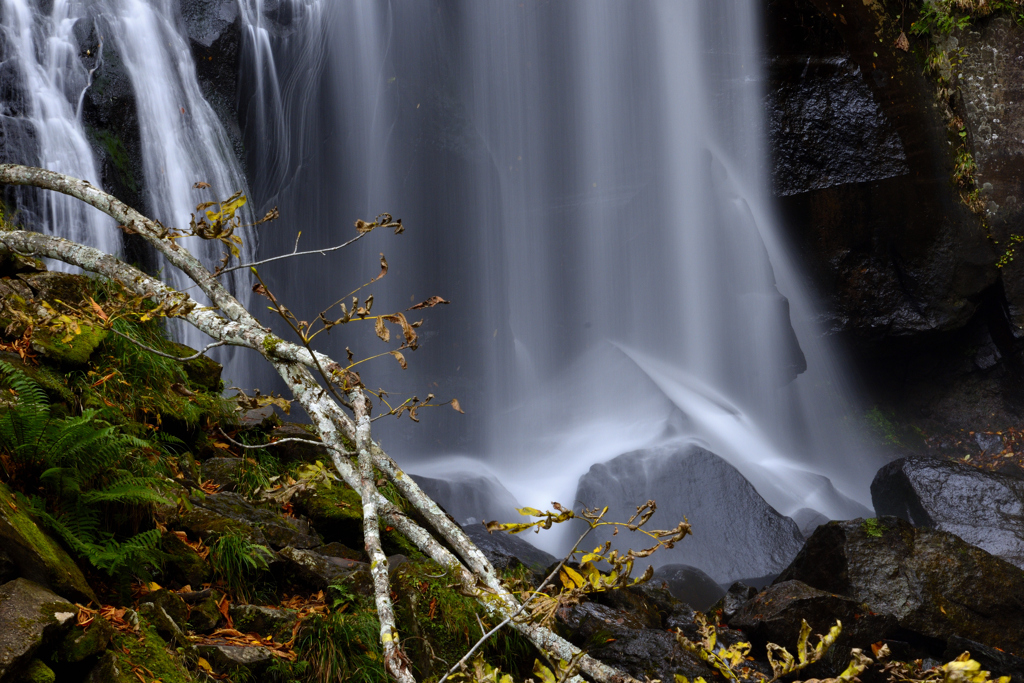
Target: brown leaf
201 185
455 404
902 43
382 330
364 227
410 334
429 303
383 268
400 358
97 310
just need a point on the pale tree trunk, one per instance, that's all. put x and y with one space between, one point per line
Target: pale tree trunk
294 363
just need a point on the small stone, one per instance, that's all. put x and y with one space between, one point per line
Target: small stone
28 615
227 658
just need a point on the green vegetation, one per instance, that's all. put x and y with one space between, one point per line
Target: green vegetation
88 470
942 17
873 528
238 562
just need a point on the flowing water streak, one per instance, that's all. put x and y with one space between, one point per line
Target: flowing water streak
51 80
281 72
183 141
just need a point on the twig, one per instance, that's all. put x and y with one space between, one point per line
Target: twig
167 355
540 589
272 443
294 253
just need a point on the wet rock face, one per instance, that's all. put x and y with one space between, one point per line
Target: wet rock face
985 509
826 128
775 615
863 165
736 534
990 76
621 639
931 581
32 616
503 549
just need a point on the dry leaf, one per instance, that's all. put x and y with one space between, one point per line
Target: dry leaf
429 303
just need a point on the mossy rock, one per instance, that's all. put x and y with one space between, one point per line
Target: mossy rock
203 372
335 511
45 376
205 615
39 557
54 286
75 351
14 264
36 672
82 643
146 649
183 564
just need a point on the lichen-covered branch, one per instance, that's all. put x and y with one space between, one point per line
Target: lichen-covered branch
395 661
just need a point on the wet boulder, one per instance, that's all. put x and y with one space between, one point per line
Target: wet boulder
932 582
733 600
690 585
227 659
471 498
736 534
775 615
227 511
309 450
263 620
985 509
620 638
320 571
504 549
30 616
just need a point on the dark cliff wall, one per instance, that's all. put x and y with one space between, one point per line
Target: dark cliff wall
866 139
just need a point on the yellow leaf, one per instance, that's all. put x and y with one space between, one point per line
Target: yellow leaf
153 586
530 512
204 665
575 576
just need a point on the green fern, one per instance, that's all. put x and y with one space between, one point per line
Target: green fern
87 468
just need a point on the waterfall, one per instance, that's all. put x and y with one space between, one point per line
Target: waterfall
43 81
183 141
588 184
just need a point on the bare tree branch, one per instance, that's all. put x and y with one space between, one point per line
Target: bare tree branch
167 355
267 445
293 254
395 661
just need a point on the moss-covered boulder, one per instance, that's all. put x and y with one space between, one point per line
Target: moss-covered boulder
37 672
30 616
83 643
145 649
335 511
229 512
38 556
69 349
183 565
205 614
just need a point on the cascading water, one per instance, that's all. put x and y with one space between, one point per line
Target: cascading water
43 80
587 183
183 141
